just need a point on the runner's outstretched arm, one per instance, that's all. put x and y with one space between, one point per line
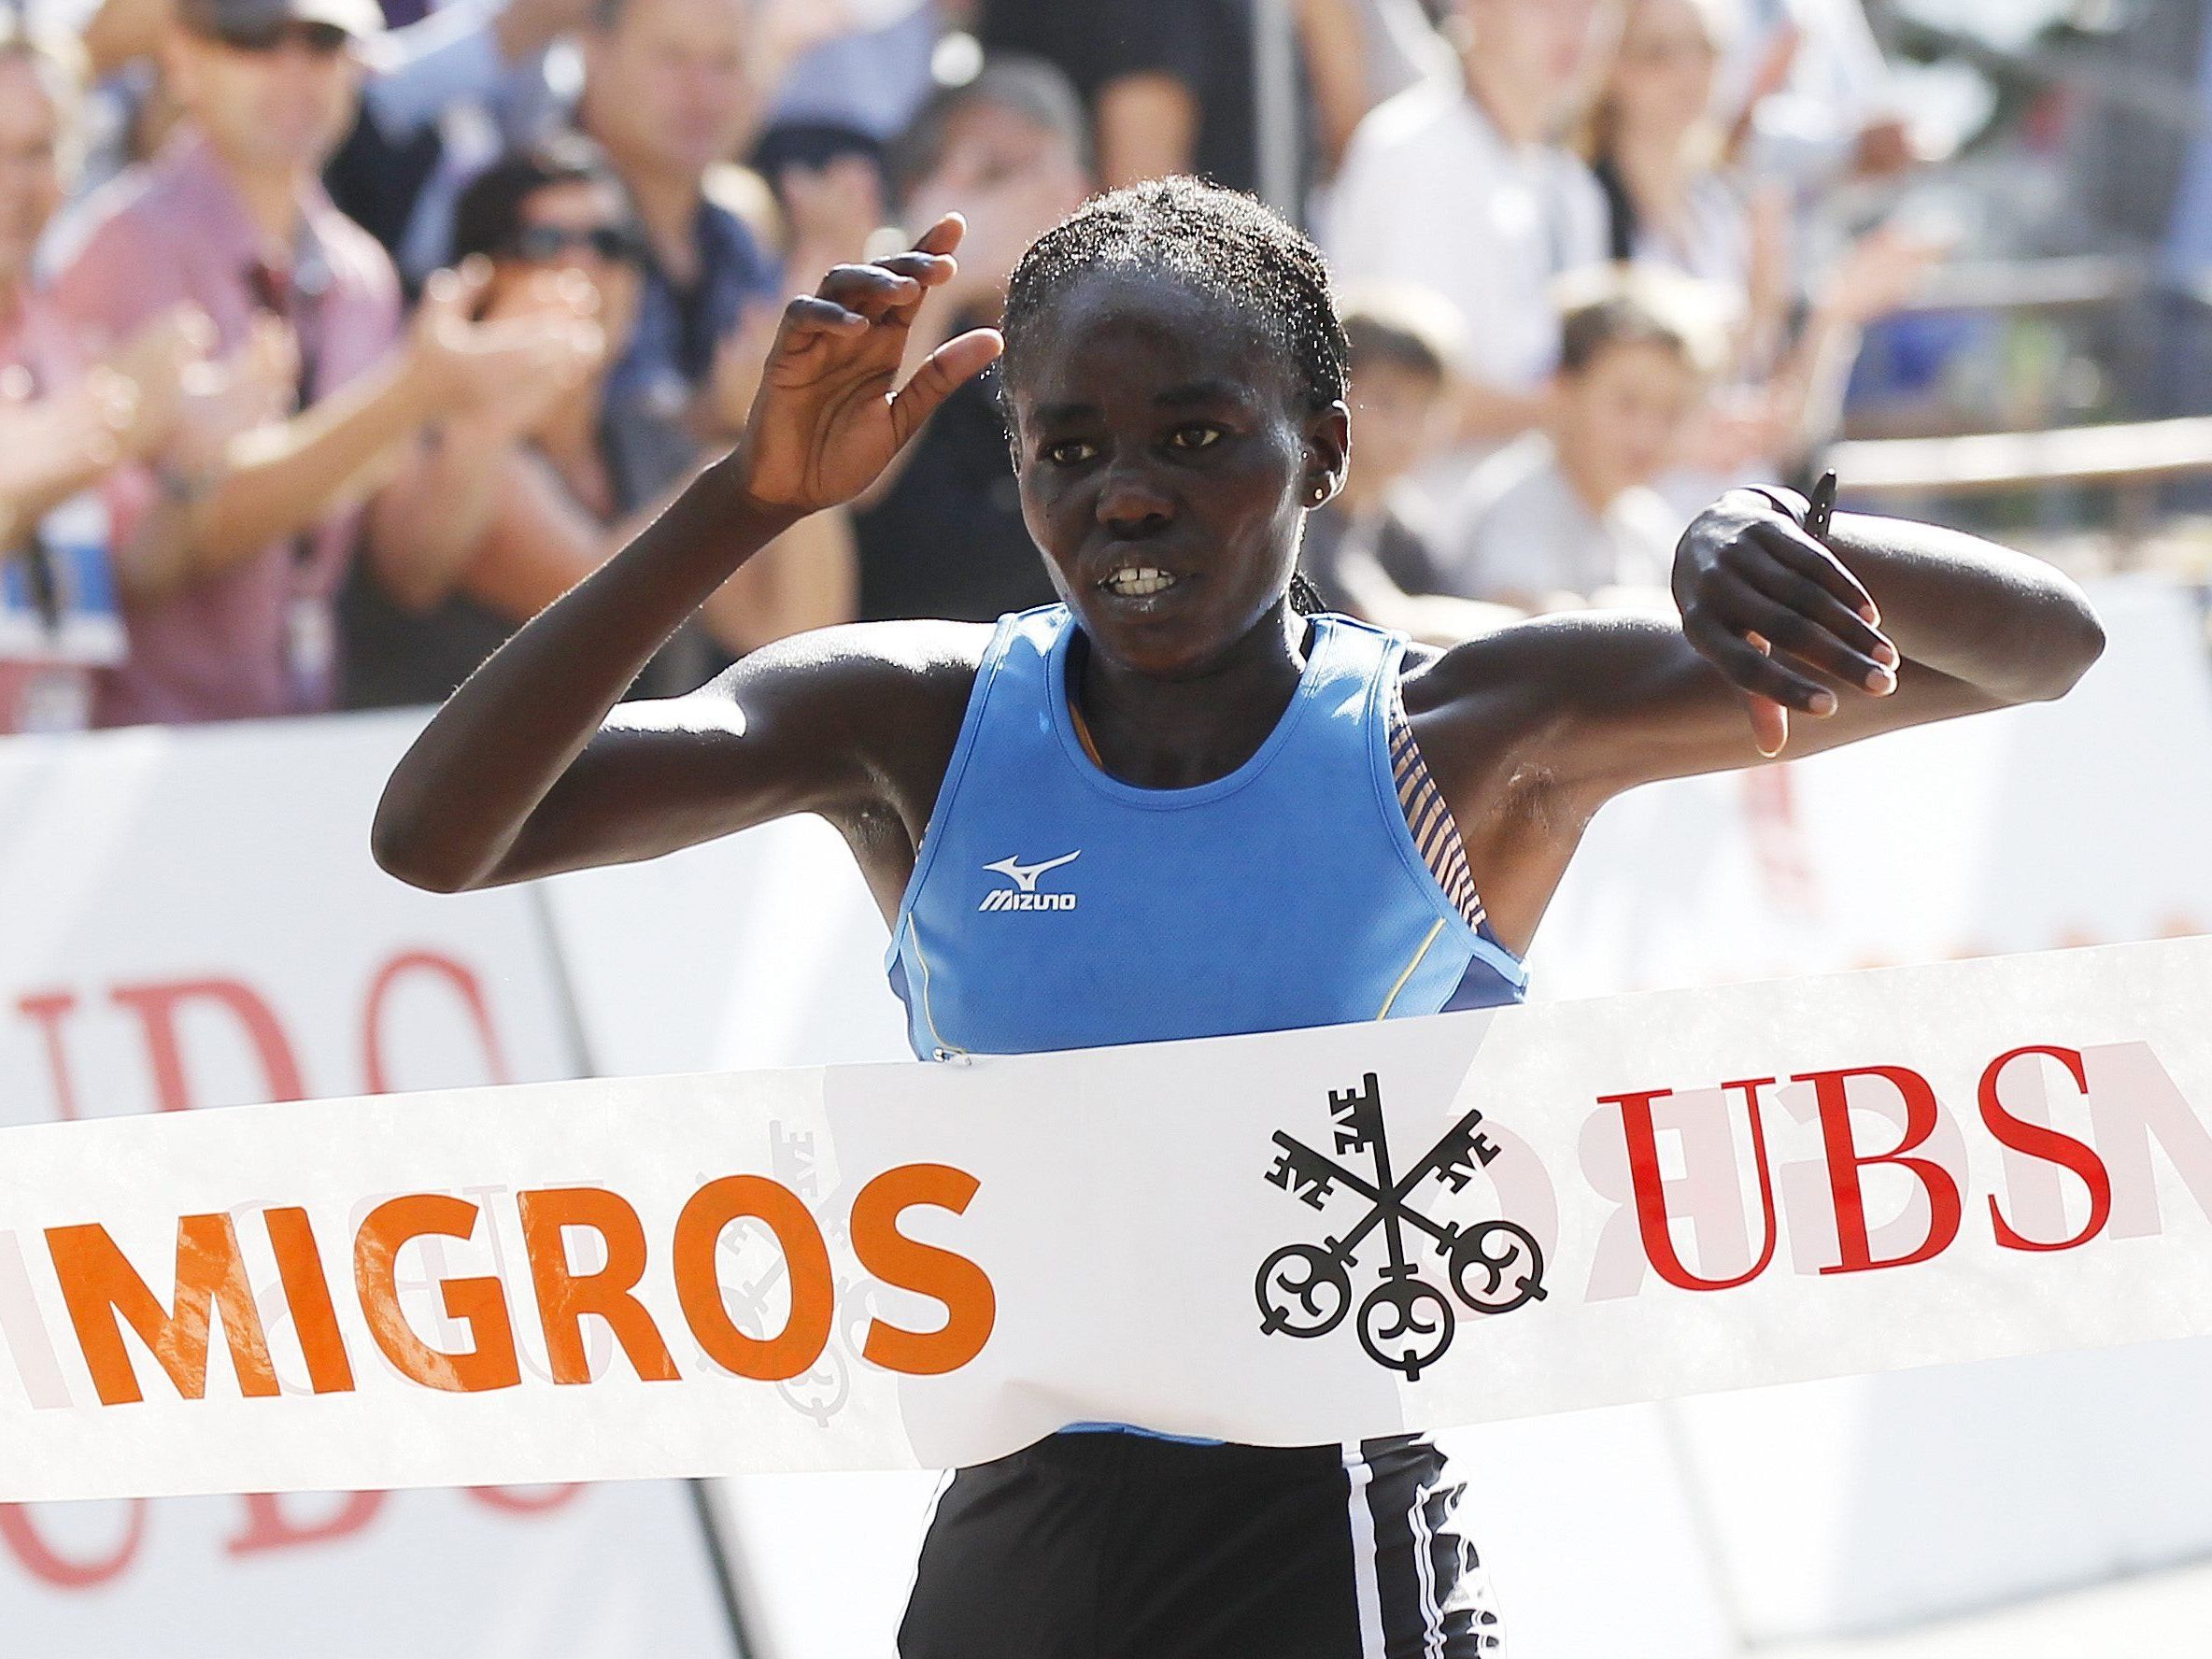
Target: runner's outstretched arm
1786 646
530 768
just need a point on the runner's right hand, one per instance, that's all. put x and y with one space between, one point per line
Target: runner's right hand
826 418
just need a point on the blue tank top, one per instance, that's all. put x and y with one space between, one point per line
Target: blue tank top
1054 906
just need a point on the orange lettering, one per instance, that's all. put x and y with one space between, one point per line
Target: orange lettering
478 1303
970 1305
813 1291
98 1284
564 1298
307 1293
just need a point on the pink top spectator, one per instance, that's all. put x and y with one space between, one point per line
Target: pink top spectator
253 641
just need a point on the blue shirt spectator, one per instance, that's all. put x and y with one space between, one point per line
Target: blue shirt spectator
680 326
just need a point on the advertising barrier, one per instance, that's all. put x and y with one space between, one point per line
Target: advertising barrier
1305 1237
191 919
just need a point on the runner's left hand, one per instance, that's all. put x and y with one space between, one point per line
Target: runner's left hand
1778 614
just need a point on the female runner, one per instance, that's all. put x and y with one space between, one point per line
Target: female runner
1266 819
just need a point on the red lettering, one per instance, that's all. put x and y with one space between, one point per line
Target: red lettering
43 1561
531 1501
268 1527
156 1007
1845 1161
1649 1186
2038 1141
46 1010
373 1062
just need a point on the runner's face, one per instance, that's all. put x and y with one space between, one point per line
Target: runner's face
1146 442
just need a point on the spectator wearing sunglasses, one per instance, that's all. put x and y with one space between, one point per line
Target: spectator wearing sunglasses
574 482
231 217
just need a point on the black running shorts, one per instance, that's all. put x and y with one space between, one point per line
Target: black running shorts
1123 1546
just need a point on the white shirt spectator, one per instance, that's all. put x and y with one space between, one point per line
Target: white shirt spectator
1519 531
1432 192
1713 243
1839 83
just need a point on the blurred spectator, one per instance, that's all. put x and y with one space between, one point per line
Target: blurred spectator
1400 45
547 500
62 429
1654 145
231 218
1814 95
543 219
1657 150
1567 517
1403 343
667 96
870 77
1464 188
2136 157
1369 550
943 534
82 444
449 91
2148 183
828 181
1171 85
471 81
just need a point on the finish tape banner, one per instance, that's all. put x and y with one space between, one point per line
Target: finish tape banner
1304 1236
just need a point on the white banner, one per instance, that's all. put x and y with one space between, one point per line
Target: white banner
2039 828
1845 1506
1303 1236
613 1571
190 918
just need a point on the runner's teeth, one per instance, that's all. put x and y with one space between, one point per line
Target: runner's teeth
1138 583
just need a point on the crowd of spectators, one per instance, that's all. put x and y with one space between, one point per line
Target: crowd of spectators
337 339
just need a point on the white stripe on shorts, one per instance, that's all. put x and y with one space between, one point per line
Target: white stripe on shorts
1424 1571
1366 1593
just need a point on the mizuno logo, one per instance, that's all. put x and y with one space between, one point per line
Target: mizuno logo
1024 895
1025 875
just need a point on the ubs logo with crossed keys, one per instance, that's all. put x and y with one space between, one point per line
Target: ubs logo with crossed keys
1405 1322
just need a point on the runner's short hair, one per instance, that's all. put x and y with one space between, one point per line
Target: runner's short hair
1222 243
